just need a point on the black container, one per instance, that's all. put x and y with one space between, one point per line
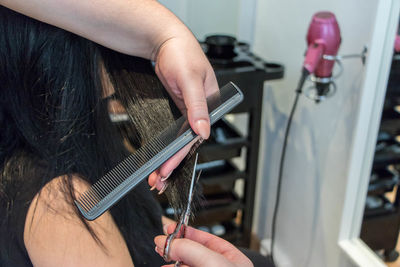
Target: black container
220 46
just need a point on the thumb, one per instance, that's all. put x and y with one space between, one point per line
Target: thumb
194 96
190 252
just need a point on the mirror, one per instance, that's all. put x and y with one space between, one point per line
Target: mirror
381 220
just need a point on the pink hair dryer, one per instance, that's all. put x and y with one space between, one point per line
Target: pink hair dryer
397 44
323 39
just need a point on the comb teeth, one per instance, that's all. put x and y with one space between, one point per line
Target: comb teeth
119 174
132 170
136 167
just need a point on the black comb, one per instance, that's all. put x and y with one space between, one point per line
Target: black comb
110 188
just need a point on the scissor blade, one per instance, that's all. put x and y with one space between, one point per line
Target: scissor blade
192 182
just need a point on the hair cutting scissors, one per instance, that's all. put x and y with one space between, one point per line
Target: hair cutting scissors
184 220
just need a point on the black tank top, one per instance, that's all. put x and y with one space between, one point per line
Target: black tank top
15 198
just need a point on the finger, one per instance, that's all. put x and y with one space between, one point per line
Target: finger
211 84
212 242
167 168
156 183
192 87
169 228
208 240
172 90
153 178
189 252
161 186
217 244
158 178
193 234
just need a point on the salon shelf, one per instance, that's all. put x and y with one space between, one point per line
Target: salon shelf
381 222
390 102
233 233
228 200
390 120
213 209
390 155
380 232
232 230
250 79
387 150
217 208
390 111
380 227
393 92
226 142
384 207
391 126
384 137
382 181
220 171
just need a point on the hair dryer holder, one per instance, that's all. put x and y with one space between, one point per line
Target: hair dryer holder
314 93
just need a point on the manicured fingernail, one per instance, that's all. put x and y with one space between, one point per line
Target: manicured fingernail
153 187
166 177
163 188
203 128
156 249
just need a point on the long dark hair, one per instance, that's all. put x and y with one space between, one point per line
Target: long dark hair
54 120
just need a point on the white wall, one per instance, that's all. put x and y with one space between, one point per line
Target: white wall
207 16
321 135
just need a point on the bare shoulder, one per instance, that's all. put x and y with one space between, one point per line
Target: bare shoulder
55 236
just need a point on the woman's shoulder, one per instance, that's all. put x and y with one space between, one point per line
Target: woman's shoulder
56 235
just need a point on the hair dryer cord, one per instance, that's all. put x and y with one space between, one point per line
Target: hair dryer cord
298 91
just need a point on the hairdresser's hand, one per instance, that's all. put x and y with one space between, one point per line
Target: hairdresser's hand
201 249
189 78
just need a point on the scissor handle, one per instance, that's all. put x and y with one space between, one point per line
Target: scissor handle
167 246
